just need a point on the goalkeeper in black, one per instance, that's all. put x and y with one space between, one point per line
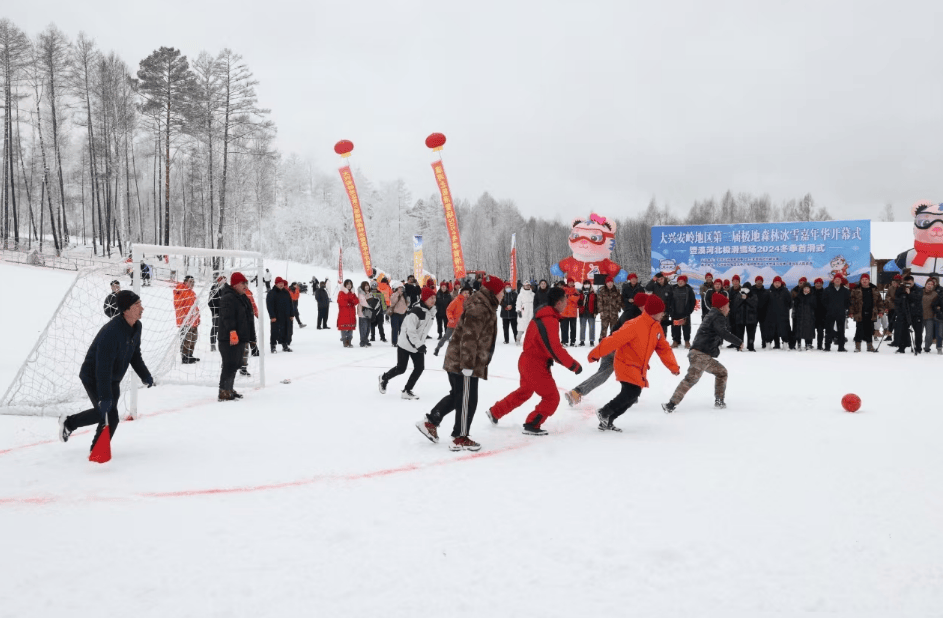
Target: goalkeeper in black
116 346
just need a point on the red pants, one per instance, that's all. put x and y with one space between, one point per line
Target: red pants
535 378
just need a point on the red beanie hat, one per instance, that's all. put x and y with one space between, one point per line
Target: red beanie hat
726 281
864 276
758 278
570 280
610 278
838 277
801 279
851 286
633 276
718 300
777 278
654 305
426 294
735 278
236 278
818 280
898 278
494 284
683 278
639 299
706 275
280 280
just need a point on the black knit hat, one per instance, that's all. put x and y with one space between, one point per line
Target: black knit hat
124 299
555 295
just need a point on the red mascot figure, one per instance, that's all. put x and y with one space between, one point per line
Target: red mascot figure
541 348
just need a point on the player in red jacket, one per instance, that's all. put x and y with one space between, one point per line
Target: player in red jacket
541 348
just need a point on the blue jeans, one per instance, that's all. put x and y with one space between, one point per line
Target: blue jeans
584 320
396 321
934 330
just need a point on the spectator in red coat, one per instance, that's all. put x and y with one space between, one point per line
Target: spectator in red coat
347 302
541 348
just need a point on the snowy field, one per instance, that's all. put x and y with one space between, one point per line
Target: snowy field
319 497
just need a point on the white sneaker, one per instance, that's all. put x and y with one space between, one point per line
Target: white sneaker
64 432
382 385
491 417
408 395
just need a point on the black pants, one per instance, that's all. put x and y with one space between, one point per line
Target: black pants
835 331
819 336
294 304
750 329
402 361
215 327
375 325
677 331
623 401
232 361
567 330
463 398
441 322
268 285
512 323
864 329
322 315
94 414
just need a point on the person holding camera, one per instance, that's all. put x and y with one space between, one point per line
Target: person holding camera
909 305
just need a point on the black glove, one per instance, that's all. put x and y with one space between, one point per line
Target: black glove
149 381
422 349
578 370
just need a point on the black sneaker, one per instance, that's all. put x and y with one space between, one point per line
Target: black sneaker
719 403
274 350
236 395
245 372
668 407
382 385
612 427
533 430
408 395
602 416
285 348
64 432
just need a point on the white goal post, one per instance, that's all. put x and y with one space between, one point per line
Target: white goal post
177 329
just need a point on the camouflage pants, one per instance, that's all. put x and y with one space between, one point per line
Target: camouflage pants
607 322
700 363
188 339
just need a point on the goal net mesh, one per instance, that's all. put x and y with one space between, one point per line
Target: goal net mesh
47 383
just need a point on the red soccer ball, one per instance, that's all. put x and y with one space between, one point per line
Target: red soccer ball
851 402
435 140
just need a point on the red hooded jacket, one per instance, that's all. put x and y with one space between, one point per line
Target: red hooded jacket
540 351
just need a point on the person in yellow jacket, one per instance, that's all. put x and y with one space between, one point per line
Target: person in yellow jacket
634 345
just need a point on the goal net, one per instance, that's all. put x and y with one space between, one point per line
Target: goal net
178 327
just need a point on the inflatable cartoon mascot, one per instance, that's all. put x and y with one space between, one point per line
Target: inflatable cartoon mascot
591 241
926 258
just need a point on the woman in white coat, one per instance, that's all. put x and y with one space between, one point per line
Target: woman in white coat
525 310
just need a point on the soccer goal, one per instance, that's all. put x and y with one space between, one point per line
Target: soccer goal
177 329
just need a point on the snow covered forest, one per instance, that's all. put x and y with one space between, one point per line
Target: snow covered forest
176 149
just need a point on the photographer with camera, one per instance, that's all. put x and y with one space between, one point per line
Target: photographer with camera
909 308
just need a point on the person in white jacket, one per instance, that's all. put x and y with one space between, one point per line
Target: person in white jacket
525 311
412 343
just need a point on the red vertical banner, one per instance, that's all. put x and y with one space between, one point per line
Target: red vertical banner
359 226
340 267
513 269
451 223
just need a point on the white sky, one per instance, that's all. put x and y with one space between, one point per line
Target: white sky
567 107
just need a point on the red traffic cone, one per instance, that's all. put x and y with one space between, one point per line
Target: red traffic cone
101 452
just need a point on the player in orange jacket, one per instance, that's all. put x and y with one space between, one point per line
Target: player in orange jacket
188 319
541 348
634 345
453 312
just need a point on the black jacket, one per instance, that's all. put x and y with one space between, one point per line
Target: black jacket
712 333
681 302
836 301
819 307
779 301
320 296
235 314
804 307
743 309
510 298
540 298
116 346
279 305
661 291
111 307
412 293
628 293
710 295
909 306
442 301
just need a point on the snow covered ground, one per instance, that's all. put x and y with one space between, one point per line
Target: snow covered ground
319 497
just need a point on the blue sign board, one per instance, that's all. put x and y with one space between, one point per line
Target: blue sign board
809 249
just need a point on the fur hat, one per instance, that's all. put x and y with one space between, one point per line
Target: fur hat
654 305
554 296
495 284
717 300
124 299
237 277
426 294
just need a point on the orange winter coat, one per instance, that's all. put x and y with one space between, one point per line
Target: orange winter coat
386 291
255 309
184 300
572 303
634 345
295 294
454 311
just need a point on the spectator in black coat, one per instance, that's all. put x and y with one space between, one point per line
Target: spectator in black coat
908 306
540 295
659 287
837 300
745 316
110 307
818 291
804 307
706 287
324 305
237 326
762 306
776 327
508 312
116 347
680 307
411 291
629 289
794 337
442 300
280 312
